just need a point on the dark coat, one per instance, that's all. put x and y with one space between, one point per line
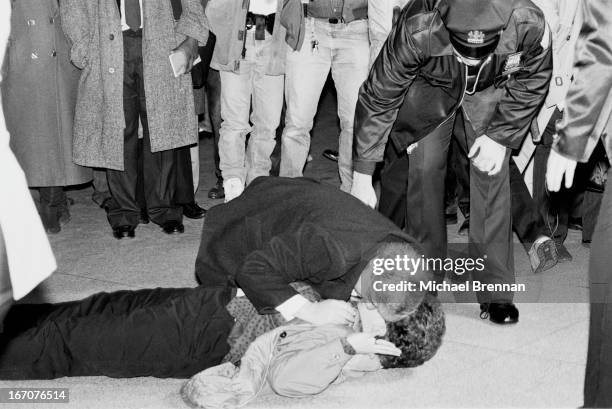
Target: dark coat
39 91
94 27
417 72
282 230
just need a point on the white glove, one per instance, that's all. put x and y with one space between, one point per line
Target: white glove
557 167
363 190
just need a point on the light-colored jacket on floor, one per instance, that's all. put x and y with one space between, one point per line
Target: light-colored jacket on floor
94 26
227 19
293 360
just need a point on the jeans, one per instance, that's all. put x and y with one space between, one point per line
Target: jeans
251 83
343 48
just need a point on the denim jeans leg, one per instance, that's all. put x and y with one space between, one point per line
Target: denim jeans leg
349 70
235 107
267 107
306 72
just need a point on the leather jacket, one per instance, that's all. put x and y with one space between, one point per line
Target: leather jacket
417 71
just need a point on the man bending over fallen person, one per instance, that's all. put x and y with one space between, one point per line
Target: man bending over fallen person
282 230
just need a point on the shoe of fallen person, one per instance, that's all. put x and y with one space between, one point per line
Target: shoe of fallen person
450 218
499 313
330 154
543 254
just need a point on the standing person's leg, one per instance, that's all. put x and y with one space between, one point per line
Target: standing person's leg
425 194
267 106
123 209
393 186
101 193
52 198
490 234
598 377
236 90
461 168
349 67
528 224
213 94
306 72
554 207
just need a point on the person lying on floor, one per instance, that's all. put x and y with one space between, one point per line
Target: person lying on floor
163 332
281 230
298 360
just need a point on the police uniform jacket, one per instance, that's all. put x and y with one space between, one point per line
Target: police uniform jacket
417 68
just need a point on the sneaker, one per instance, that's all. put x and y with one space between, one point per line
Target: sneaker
233 188
543 254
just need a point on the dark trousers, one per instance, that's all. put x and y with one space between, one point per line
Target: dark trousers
554 207
184 193
157 168
213 94
457 183
162 332
490 210
598 378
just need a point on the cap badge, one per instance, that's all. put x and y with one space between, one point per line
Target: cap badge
476 37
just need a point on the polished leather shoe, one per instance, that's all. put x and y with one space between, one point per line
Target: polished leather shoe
144 216
172 227
217 191
124 231
464 230
330 154
193 211
499 313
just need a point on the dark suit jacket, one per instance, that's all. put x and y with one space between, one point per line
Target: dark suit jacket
283 230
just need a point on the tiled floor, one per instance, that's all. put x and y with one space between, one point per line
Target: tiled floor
537 363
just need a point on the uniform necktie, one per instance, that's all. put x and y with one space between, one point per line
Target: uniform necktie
132 14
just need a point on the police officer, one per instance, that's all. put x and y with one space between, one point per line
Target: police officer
476 70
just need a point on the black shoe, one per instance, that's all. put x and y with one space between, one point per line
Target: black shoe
586 243
499 313
172 227
330 154
217 191
144 216
451 218
563 255
124 231
193 211
464 230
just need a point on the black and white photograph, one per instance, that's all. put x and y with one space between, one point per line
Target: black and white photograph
295 204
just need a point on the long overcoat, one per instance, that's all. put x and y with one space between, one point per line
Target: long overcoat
39 95
94 26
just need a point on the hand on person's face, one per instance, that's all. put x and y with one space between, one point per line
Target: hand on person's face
328 312
371 320
366 343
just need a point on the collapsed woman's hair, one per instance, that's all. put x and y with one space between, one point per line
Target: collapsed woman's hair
418 336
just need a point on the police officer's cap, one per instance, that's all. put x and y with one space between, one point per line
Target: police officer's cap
474 26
